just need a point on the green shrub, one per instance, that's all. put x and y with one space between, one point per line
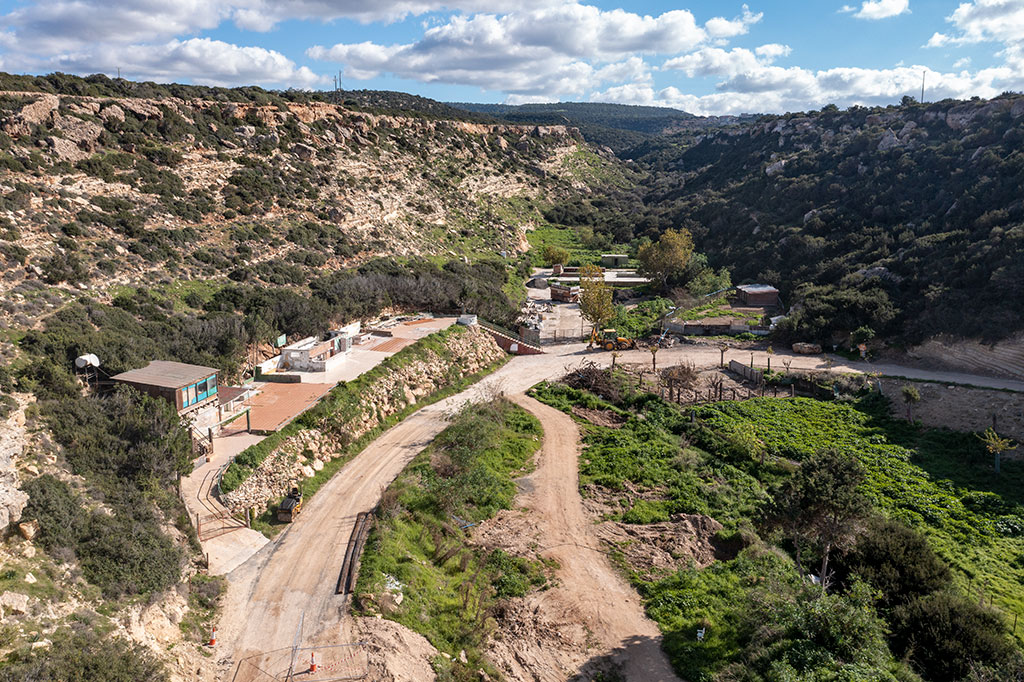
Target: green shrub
945 634
84 657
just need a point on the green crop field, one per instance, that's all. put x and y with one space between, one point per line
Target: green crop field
729 460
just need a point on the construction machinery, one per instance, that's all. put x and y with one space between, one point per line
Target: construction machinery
609 339
290 506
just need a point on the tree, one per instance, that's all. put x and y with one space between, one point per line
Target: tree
654 357
553 255
996 444
595 296
910 396
821 505
667 257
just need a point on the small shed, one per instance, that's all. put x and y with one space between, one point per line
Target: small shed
614 260
758 294
188 387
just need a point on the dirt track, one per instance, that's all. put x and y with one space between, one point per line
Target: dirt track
296 574
589 588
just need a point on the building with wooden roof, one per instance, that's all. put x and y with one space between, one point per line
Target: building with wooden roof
188 387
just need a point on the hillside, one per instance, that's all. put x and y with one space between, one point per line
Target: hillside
142 221
99 192
907 220
618 126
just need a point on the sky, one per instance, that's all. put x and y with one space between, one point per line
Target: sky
703 56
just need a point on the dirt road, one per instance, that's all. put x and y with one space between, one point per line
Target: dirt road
588 587
292 580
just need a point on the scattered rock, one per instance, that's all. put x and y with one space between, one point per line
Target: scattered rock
303 151
775 168
112 113
31 579
888 141
29 529
14 603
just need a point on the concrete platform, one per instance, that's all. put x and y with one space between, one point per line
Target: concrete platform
277 404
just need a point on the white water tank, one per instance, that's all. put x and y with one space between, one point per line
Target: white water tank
89 360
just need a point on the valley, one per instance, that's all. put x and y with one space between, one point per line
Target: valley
537 509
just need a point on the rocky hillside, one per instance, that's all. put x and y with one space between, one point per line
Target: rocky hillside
96 191
907 221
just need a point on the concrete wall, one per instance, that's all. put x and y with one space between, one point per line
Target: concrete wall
748 373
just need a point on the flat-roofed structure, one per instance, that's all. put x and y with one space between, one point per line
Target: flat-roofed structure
758 294
188 387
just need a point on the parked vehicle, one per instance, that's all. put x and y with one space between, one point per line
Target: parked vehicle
290 506
609 339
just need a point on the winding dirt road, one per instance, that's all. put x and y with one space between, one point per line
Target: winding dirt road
291 581
588 586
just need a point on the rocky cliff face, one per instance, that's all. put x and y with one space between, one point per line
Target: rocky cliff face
12 443
306 452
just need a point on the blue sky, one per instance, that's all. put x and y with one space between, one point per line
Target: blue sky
702 56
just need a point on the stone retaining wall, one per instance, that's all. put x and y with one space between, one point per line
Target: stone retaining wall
304 453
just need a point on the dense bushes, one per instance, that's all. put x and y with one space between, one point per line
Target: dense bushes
83 656
124 554
129 448
859 235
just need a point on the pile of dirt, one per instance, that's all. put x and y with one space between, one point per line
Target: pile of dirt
600 417
511 531
658 548
539 637
395 653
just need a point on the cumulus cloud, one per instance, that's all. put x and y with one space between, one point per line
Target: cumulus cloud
769 88
199 60
714 61
68 25
982 21
879 9
565 49
719 27
263 15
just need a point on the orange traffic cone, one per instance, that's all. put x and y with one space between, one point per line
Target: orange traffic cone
213 637
312 662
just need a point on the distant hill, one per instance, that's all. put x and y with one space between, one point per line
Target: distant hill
907 220
618 126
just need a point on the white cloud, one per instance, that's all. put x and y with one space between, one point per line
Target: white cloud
68 25
719 27
263 15
713 61
985 20
198 60
564 49
879 9
769 88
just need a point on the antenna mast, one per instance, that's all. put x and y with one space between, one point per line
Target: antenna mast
923 73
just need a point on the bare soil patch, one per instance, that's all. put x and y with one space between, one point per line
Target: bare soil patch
961 408
600 417
660 548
